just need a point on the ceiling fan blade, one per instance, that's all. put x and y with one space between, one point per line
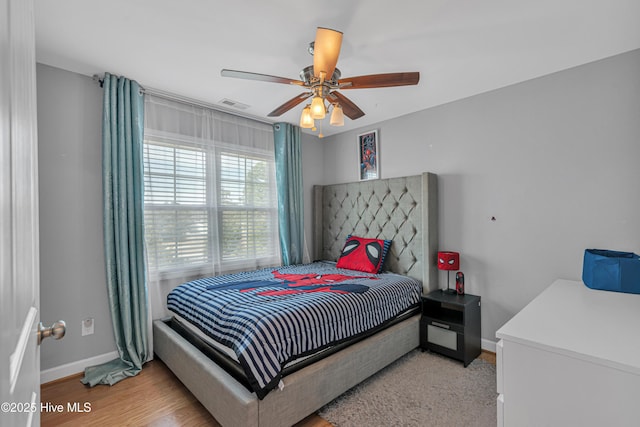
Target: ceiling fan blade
326 49
289 104
349 109
262 77
380 80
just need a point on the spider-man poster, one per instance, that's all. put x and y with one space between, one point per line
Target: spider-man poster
368 155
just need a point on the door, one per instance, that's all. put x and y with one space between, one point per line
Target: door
19 257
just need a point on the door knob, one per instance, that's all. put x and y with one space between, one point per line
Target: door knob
57 331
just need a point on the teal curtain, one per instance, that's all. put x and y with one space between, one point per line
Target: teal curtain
290 195
122 137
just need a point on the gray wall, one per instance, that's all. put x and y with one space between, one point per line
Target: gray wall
554 160
313 168
72 271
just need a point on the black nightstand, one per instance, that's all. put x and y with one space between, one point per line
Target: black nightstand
450 325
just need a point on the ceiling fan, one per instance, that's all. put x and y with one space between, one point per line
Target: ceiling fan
322 81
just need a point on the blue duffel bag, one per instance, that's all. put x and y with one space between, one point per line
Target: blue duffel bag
611 270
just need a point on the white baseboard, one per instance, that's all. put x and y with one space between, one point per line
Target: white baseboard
73 368
488 345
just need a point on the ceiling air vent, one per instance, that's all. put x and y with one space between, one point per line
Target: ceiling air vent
233 104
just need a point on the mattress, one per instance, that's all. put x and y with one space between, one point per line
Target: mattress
217 350
227 351
271 317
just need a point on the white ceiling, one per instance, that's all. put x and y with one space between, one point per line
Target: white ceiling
460 47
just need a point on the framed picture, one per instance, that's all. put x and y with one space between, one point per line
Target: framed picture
368 155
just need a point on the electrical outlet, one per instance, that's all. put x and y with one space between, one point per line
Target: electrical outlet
87 326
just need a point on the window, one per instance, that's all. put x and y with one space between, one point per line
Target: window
248 214
210 206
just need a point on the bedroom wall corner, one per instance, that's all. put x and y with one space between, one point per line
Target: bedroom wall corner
313 167
73 284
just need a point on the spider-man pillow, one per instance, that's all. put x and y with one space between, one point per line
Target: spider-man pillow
363 254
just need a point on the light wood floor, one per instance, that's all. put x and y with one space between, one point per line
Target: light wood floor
155 397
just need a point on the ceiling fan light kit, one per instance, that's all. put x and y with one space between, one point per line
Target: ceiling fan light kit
306 121
318 110
322 81
337 116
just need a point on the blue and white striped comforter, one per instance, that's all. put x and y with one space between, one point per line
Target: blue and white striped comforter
269 317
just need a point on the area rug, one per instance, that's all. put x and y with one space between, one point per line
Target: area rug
420 389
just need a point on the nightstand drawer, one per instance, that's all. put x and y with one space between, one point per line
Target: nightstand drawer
442 337
443 324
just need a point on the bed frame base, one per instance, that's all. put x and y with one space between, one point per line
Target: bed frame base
304 392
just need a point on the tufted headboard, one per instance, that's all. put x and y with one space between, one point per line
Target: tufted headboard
404 210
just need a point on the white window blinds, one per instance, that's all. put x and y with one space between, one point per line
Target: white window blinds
210 196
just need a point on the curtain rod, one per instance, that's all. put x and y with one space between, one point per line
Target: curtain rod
186 100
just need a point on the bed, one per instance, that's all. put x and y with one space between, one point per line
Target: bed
403 210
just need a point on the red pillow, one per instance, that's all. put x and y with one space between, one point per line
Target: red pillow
363 254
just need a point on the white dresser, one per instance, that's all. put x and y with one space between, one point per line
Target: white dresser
571 358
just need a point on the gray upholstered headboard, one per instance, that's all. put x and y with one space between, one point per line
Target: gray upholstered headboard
404 210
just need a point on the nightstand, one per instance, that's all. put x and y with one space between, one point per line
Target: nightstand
450 325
